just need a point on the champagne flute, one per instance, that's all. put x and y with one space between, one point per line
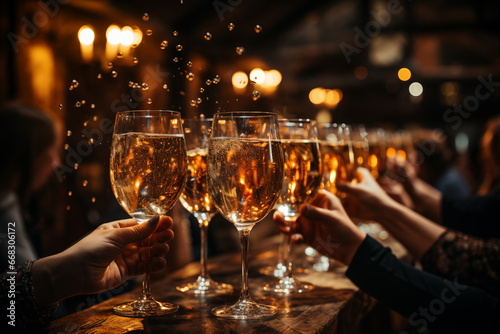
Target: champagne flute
337 156
245 176
377 160
197 201
148 173
302 178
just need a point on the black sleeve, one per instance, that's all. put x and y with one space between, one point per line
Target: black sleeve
477 215
428 301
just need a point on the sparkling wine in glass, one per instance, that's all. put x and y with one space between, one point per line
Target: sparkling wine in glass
148 173
337 156
245 175
197 201
302 178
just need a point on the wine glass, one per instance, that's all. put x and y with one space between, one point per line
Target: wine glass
197 201
302 178
360 145
245 176
148 173
377 160
337 156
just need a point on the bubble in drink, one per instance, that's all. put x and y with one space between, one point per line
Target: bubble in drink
144 86
198 100
240 50
66 146
230 26
85 123
136 60
255 95
119 55
175 33
91 141
92 106
93 199
193 103
145 17
179 47
165 86
130 83
60 106
149 32
75 166
99 76
208 82
95 118
110 65
78 104
216 79
189 63
164 44
176 59
85 183
83 102
190 76
258 28
114 74
136 85
208 36
202 90
75 83
70 193
150 101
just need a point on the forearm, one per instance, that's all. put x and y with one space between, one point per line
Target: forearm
54 279
414 231
415 294
426 198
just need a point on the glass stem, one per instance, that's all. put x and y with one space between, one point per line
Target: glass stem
287 261
244 237
203 248
146 291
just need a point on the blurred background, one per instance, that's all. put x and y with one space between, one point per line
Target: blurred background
396 64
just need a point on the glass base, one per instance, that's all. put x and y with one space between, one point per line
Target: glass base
245 309
147 307
288 285
205 286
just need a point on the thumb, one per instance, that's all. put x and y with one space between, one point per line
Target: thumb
137 232
314 213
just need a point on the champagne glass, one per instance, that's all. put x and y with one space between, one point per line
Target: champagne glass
337 156
302 178
377 160
148 173
360 145
245 176
197 201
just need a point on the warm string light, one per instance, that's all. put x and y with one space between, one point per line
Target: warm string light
266 81
86 37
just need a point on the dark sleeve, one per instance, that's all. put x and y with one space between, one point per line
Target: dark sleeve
427 300
472 261
478 216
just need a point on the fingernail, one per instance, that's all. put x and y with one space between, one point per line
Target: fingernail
153 221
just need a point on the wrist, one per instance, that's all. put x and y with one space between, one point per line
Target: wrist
353 247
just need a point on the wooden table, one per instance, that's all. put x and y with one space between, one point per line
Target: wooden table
334 306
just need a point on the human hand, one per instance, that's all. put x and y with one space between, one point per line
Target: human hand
396 191
324 225
368 194
103 259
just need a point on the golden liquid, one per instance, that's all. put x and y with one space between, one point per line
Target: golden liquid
361 155
148 172
302 174
377 161
195 197
244 177
338 164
